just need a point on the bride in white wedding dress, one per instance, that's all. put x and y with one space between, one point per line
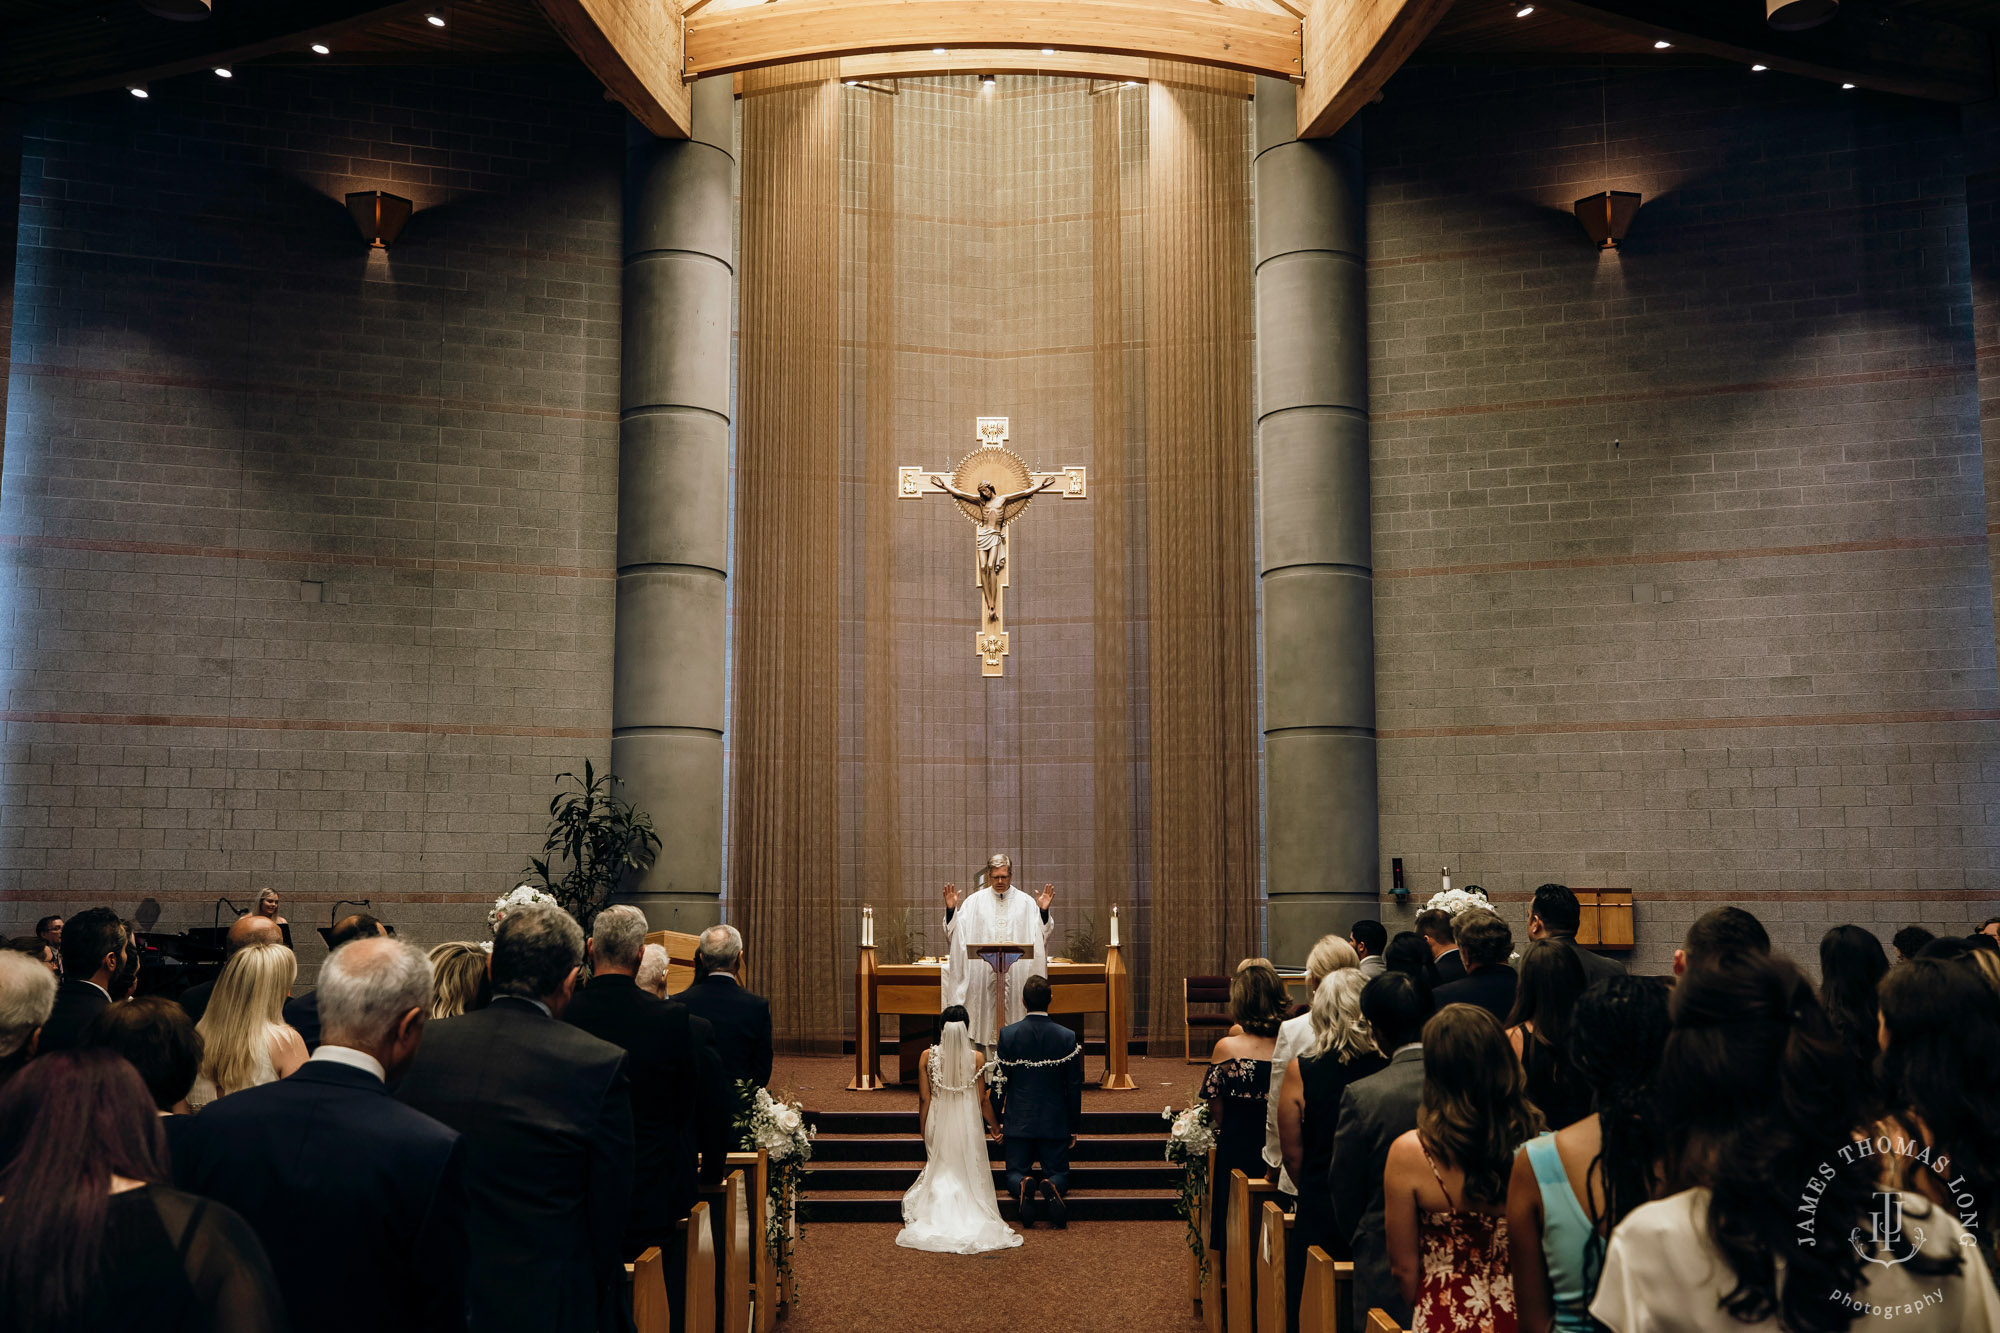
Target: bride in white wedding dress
953 1208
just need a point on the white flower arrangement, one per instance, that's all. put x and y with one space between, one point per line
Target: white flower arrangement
780 1129
1188 1140
525 895
1453 901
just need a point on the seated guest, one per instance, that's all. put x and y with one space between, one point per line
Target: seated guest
1374 1112
245 1041
742 1021
327 1163
1445 1182
652 974
156 1038
1851 965
680 1108
1555 916
1237 1086
1369 939
243 932
27 995
302 1011
1940 1075
1435 926
1342 1051
1331 954
547 1121
91 1237
1538 1029
1753 1098
1910 942
95 945
1726 932
1571 1188
1408 952
38 949
50 931
1489 981
459 983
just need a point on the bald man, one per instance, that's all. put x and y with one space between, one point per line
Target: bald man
247 930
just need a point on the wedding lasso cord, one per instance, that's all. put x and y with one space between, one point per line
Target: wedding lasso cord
995 1071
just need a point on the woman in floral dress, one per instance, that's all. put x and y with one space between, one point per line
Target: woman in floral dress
1237 1086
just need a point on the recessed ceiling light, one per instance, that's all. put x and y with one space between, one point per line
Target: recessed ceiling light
1524 11
435 19
937 50
138 90
1759 69
986 79
1661 45
321 49
1847 85
224 72
1048 50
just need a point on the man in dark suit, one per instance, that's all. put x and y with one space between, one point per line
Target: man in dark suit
302 1011
1374 1111
49 931
1555 916
680 1104
1041 1104
742 1021
94 947
1489 981
243 932
547 1119
1435 926
359 1200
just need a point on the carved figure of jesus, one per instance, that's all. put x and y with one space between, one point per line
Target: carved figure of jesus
992 532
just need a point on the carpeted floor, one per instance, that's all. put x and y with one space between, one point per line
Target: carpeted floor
820 1082
1090 1278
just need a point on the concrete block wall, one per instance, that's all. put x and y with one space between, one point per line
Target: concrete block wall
1681 552
306 552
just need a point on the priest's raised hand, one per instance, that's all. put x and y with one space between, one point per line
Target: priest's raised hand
1045 897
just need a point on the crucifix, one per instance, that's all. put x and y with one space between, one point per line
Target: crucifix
992 486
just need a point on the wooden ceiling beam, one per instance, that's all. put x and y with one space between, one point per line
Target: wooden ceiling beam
1872 45
1198 31
634 49
1351 49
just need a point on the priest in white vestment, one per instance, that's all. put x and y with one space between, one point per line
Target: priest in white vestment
997 914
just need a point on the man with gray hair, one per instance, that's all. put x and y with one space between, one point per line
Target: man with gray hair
27 994
742 1020
327 1163
995 914
546 1112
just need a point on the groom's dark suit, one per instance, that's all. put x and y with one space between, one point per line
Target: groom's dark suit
1041 1109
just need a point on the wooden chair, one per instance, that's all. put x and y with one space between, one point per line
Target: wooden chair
1380 1322
1203 990
1274 1235
650 1311
698 1299
766 1301
1239 1290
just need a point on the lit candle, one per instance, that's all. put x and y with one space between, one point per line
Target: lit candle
1446 874
867 927
1114 927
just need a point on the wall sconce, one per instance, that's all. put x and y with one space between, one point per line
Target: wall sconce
380 216
1608 216
1798 15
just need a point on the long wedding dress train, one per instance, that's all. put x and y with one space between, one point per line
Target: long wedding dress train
952 1209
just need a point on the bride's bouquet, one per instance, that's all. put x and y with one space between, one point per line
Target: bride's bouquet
780 1129
1188 1142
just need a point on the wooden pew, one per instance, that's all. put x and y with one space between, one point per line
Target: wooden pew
1274 1234
1206 1292
650 1311
698 1302
1326 1305
729 1219
1239 1290
766 1301
1380 1322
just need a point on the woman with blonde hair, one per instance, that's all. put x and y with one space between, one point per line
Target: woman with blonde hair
459 979
244 1037
1332 954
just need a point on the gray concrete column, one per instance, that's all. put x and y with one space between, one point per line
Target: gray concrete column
1317 566
673 503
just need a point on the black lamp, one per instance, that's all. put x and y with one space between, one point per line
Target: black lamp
379 215
1608 216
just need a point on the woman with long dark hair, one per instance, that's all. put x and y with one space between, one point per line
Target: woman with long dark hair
1852 963
90 1236
1571 1188
1756 1109
1237 1086
1538 1028
1444 1187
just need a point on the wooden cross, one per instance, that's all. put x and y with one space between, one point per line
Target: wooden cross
992 486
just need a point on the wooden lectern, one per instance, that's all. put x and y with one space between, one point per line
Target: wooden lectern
1001 957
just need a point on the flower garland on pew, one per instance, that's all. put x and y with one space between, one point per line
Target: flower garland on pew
1188 1142
780 1129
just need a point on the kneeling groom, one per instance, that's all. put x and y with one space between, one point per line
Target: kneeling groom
1042 1104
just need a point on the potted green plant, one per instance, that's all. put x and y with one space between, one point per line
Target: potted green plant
594 838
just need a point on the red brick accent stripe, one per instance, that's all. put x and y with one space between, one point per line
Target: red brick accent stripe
1696 724
213 384
275 556
295 724
1691 557
1678 393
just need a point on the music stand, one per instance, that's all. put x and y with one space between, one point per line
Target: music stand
1000 957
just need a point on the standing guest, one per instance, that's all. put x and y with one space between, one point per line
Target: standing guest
1445 1182
1851 965
50 931
302 1011
1910 942
742 1020
38 949
1990 928
1369 939
1237 1086
124 983
1754 1099
1571 1188
27 994
1489 981
1342 1051
1331 954
680 1108
1538 1029
1725 932
547 1121
1408 952
266 906
91 1237
244 932
95 944
327 1163
459 984
652 974
1434 925
245 1041
1555 916
156 1038
1374 1112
